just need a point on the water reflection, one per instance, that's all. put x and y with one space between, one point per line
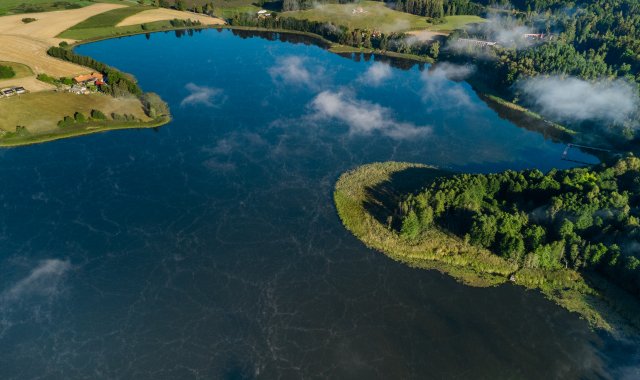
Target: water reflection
210 248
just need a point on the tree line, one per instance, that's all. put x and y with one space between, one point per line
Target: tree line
362 38
439 8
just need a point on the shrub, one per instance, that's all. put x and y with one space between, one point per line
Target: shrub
98 115
67 121
153 105
21 130
79 117
117 117
47 79
27 20
6 72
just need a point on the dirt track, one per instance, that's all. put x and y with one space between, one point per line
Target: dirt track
30 83
161 14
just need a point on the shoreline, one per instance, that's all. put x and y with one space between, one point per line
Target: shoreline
15 142
469 265
520 116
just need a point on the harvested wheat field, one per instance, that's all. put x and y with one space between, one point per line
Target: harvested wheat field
33 53
53 106
162 14
28 43
49 24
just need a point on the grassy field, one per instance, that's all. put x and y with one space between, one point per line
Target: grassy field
456 22
367 194
228 8
82 129
227 12
100 23
107 32
376 16
40 112
41 125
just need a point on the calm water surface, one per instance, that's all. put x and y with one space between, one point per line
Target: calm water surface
210 248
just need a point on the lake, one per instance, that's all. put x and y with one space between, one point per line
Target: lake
210 247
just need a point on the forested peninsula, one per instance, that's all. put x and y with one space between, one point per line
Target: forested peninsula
573 234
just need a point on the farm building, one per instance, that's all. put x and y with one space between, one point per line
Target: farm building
96 78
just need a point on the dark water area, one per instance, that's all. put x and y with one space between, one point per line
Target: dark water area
210 248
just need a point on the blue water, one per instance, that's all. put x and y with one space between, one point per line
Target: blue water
210 248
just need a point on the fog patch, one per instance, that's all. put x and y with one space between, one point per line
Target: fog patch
507 32
573 99
44 280
498 29
438 88
203 95
376 74
362 117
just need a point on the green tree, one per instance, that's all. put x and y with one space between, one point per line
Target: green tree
410 226
434 49
98 115
483 230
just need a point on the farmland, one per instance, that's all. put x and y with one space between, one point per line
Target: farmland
31 6
364 15
53 106
33 117
376 15
130 20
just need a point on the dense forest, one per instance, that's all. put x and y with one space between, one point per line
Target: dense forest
594 40
597 38
438 8
587 219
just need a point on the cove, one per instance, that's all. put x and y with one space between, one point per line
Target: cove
210 247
